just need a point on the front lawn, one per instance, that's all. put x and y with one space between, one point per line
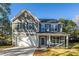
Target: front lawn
73 51
3 47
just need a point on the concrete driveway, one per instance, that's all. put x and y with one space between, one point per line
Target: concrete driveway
18 52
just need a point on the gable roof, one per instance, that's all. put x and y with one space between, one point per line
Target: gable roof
21 12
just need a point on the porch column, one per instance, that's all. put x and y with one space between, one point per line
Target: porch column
55 40
67 41
59 40
38 44
49 41
38 40
64 41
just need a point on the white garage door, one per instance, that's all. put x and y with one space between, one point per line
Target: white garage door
27 41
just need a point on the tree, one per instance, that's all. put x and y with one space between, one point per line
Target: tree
68 26
4 13
4 19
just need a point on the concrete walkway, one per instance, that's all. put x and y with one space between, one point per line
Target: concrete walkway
17 51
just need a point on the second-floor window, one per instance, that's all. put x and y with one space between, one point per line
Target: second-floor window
20 27
59 27
25 26
31 26
50 27
42 28
47 27
56 28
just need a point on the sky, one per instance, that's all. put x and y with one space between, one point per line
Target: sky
47 10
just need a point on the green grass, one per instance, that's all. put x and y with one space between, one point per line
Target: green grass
3 47
74 45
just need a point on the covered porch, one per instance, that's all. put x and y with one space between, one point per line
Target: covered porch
52 40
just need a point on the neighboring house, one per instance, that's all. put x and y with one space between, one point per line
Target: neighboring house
28 31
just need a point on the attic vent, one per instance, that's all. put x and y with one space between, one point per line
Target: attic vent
25 14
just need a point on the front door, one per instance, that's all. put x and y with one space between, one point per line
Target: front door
43 41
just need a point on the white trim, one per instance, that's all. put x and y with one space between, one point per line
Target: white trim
52 34
49 40
66 41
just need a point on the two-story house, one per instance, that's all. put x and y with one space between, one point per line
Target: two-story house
29 31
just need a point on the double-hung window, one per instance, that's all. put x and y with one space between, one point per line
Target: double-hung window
47 27
42 28
56 28
31 26
25 26
52 28
59 27
20 27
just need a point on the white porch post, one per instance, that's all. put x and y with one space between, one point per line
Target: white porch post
49 41
59 40
64 41
37 40
61 28
67 41
55 40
